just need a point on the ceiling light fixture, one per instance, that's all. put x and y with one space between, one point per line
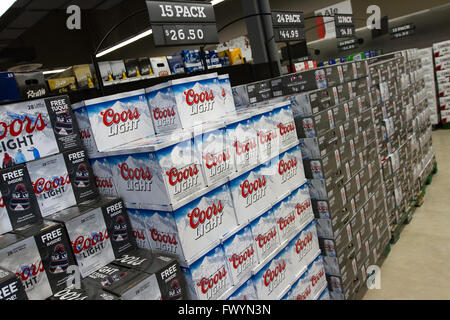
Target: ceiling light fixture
55 71
125 43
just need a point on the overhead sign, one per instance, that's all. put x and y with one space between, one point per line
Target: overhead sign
182 23
288 26
349 44
402 31
325 18
288 18
343 20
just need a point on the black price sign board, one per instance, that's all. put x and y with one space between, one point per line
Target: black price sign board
349 44
288 26
402 28
345 32
289 34
344 25
288 18
402 31
343 20
182 23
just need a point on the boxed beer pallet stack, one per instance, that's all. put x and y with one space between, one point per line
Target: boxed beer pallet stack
403 131
441 52
427 60
223 191
52 218
337 139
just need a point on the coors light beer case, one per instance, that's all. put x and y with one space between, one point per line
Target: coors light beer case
40 255
35 129
11 287
98 234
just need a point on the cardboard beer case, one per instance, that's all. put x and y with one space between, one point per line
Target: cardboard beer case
193 229
240 254
274 279
127 284
18 204
62 180
119 119
208 278
39 254
37 128
99 232
171 282
10 286
86 292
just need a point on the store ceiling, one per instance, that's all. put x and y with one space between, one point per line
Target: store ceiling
24 14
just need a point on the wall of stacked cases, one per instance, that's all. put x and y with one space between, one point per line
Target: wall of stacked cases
441 52
287 188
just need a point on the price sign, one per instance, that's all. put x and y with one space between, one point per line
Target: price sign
288 26
345 32
288 18
349 44
403 34
402 28
181 23
343 20
289 34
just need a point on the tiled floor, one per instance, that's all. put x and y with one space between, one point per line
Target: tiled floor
418 266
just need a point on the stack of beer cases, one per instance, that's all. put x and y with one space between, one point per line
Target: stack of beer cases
227 198
44 170
441 52
400 133
427 61
51 216
337 139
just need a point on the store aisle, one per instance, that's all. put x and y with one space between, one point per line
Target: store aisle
418 265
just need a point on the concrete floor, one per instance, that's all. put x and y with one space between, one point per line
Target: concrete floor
418 266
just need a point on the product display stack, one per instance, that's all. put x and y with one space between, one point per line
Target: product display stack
427 60
365 137
441 52
52 218
222 191
337 139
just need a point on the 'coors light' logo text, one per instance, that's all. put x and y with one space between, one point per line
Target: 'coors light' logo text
16 128
302 207
303 245
252 191
138 179
30 274
184 179
287 130
305 294
266 139
119 123
87 246
246 151
214 285
287 169
266 241
164 117
274 276
217 163
50 188
243 261
199 102
164 241
206 220
317 277
287 225
105 183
